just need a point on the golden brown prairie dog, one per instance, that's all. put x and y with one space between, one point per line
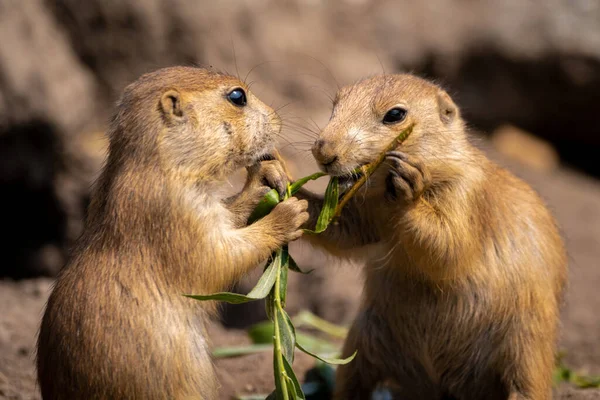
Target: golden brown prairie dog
464 263
116 325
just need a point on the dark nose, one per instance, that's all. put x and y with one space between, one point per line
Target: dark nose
324 153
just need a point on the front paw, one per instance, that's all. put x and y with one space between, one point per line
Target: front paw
408 177
269 173
288 217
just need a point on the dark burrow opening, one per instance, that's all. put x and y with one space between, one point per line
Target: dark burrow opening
555 97
33 221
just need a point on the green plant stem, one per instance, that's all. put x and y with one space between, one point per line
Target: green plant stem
368 169
278 353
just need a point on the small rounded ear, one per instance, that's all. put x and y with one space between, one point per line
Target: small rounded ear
171 107
447 109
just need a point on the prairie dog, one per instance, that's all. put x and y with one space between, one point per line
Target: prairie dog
465 267
116 324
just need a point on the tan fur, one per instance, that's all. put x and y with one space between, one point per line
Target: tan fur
116 325
464 263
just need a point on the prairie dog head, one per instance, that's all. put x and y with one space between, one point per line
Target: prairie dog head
194 122
368 115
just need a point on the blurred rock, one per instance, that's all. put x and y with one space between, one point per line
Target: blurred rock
40 77
553 96
63 63
525 148
46 97
118 41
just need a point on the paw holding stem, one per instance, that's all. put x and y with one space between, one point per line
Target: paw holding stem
408 177
288 214
270 173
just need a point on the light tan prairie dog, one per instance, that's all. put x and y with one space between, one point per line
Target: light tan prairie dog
116 325
464 263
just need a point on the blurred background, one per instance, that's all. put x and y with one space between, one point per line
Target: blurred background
526 74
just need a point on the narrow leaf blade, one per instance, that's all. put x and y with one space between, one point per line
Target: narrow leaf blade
306 318
270 304
283 274
281 392
330 203
268 202
315 344
260 291
294 187
294 267
333 361
267 279
287 334
293 380
228 297
235 351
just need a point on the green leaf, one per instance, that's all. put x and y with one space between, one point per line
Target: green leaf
334 361
235 351
283 274
294 267
287 333
291 388
260 291
268 202
561 374
228 297
316 344
586 382
281 392
330 202
306 318
294 187
293 380
270 304
283 285
255 397
267 279
262 332
564 374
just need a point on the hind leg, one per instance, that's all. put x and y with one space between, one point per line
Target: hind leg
357 379
529 364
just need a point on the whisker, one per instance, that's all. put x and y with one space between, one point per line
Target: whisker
258 65
327 69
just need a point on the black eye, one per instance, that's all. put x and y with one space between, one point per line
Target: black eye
237 97
394 116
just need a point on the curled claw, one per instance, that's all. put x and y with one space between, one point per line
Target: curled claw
408 178
269 173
